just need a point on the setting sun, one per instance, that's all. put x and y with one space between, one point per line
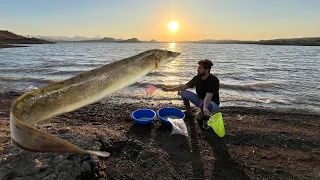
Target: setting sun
173 26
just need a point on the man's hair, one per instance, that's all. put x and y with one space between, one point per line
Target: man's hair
207 64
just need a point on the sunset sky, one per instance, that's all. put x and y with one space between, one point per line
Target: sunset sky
148 19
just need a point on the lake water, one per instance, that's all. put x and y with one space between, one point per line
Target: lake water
250 75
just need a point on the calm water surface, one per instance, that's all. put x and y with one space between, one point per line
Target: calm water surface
250 75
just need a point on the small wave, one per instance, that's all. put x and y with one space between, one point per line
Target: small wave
93 65
140 84
48 64
249 87
143 97
226 73
229 97
24 70
226 62
66 73
21 79
273 69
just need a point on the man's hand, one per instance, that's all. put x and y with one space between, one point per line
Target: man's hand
177 88
206 111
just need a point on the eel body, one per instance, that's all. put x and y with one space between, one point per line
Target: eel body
71 94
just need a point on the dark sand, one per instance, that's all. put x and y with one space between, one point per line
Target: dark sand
259 144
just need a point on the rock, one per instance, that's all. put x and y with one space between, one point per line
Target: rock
7 175
19 178
86 158
102 174
57 159
65 175
79 124
85 167
49 127
63 131
96 146
117 127
44 168
34 170
65 165
50 177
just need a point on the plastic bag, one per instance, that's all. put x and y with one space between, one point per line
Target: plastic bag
178 126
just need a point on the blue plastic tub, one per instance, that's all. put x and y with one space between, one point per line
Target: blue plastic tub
167 112
143 116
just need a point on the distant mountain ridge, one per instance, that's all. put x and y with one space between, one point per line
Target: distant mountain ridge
307 41
65 38
114 40
7 37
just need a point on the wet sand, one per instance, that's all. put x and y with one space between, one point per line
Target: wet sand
260 143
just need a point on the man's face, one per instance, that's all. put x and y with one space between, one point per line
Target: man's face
201 71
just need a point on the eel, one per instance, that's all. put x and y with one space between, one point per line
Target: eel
73 93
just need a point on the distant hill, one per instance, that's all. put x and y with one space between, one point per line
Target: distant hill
65 38
309 41
108 39
105 39
152 41
92 39
114 40
209 41
7 37
132 40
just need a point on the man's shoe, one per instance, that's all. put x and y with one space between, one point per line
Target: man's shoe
205 124
205 121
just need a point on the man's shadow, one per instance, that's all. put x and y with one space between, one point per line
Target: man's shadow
183 158
198 166
223 167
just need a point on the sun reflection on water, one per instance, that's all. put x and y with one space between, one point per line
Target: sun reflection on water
172 46
171 70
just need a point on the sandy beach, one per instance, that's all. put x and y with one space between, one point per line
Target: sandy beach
259 144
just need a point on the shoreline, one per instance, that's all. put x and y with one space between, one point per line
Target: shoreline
260 143
195 42
10 46
117 99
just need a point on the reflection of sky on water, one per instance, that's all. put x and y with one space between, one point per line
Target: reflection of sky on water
294 69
